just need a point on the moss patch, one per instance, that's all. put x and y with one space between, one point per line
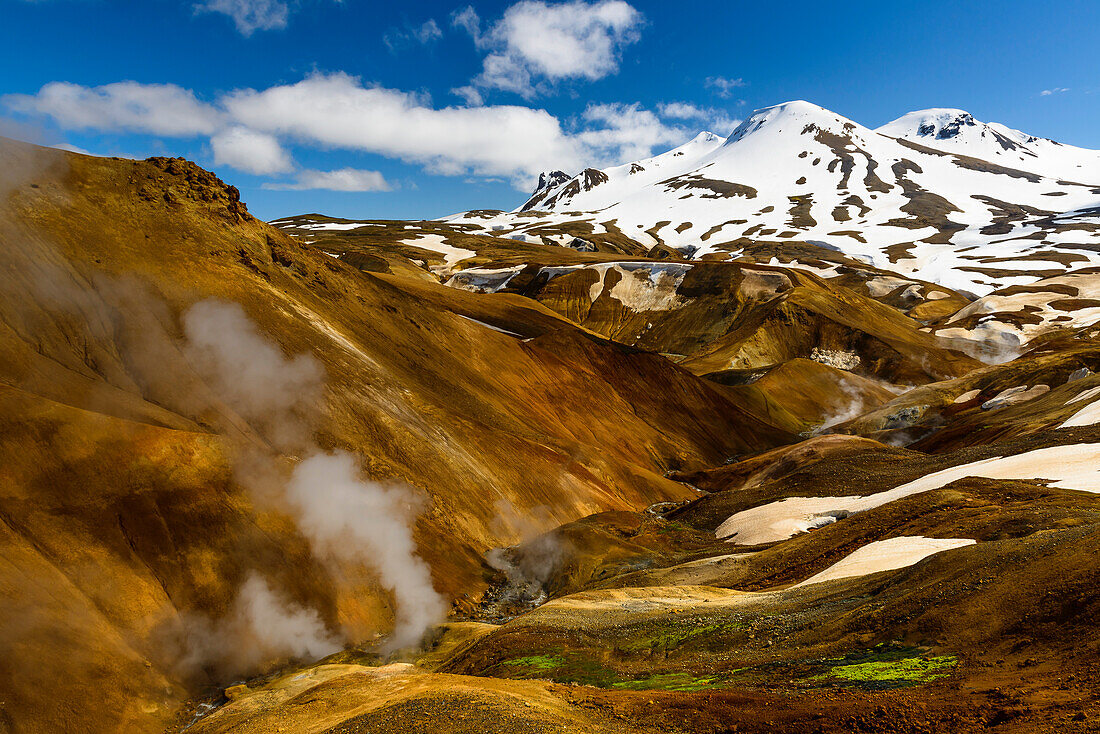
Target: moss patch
673 637
573 668
537 662
910 670
886 667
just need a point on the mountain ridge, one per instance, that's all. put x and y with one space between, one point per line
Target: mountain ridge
958 131
945 129
920 203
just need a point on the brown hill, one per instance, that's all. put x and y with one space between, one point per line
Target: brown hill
778 301
125 515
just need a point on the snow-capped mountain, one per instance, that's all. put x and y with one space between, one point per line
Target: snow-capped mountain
632 175
956 131
798 172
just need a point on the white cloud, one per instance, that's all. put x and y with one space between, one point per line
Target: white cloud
468 20
681 111
1054 90
470 94
344 179
535 41
627 132
158 109
250 151
715 120
503 72
422 34
251 129
250 15
428 31
723 86
337 111
70 148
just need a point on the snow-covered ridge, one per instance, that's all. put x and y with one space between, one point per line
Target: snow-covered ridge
916 196
789 115
553 191
957 131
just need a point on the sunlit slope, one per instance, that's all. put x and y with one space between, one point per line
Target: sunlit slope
119 457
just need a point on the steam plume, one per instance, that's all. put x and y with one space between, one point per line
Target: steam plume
355 519
530 566
261 626
344 516
277 395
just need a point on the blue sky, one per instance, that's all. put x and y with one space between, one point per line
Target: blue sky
405 110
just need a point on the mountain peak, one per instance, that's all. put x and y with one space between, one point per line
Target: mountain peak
550 179
957 131
939 123
706 137
796 113
793 107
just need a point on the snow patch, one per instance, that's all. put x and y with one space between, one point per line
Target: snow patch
437 243
484 280
1076 466
1087 416
336 226
642 286
1015 396
966 397
1090 393
886 555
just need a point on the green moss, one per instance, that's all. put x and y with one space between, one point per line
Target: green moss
643 660
673 637
561 668
572 668
537 662
891 673
883 667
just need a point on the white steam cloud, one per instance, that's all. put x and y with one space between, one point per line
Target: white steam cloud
277 395
261 626
530 566
228 374
344 516
354 519
853 406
